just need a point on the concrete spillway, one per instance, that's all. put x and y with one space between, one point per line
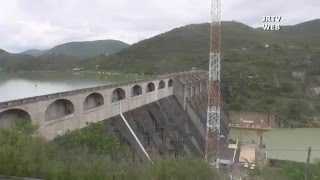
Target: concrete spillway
163 127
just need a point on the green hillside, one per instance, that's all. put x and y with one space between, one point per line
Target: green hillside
188 46
34 52
15 62
179 49
88 48
8 60
81 49
61 57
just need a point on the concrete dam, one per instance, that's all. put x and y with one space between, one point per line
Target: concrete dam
167 114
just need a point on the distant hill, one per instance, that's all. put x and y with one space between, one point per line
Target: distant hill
88 48
306 33
84 49
3 51
7 57
60 57
13 62
305 27
34 52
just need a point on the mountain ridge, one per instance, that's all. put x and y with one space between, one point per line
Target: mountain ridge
182 48
81 49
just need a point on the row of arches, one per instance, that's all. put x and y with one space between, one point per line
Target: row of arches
119 94
64 107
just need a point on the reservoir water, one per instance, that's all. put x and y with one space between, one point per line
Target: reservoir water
28 84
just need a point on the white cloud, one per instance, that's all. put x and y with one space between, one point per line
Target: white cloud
26 24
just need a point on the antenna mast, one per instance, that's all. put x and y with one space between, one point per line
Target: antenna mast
213 111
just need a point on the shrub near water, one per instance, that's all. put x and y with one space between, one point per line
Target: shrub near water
22 155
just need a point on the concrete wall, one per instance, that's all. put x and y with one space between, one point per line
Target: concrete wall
186 89
57 113
264 119
246 136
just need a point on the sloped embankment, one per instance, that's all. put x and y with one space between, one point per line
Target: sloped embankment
163 128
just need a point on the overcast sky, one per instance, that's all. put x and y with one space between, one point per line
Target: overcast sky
42 24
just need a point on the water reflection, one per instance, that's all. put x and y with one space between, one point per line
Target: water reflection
28 84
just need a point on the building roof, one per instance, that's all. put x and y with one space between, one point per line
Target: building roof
247 154
226 154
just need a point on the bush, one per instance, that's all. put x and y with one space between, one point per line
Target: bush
172 168
269 100
94 138
76 158
286 88
235 106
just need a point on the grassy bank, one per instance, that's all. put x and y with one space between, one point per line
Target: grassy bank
286 170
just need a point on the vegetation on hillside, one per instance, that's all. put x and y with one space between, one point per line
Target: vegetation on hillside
182 48
286 170
87 49
62 57
264 80
86 154
82 49
186 47
92 153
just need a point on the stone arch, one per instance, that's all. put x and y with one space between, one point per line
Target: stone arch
170 83
150 87
93 100
162 85
9 117
118 94
136 90
59 108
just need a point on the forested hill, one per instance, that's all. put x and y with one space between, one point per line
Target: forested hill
82 49
176 50
188 46
62 57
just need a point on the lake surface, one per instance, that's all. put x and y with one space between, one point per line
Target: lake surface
29 84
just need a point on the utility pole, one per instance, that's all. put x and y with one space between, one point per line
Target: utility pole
307 165
213 110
